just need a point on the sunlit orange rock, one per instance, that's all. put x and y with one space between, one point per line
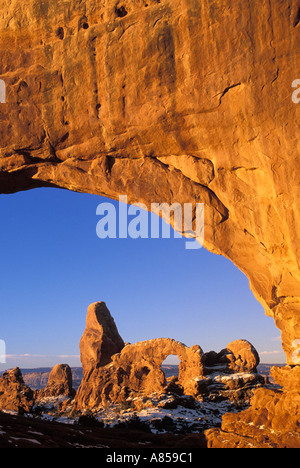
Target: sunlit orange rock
14 394
171 101
162 104
137 370
59 383
272 420
166 101
100 339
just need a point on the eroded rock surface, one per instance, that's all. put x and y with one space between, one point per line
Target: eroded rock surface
14 394
170 101
60 382
272 420
238 356
166 101
210 384
100 339
133 375
17 397
136 370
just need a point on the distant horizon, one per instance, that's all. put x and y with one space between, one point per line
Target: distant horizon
48 368
55 266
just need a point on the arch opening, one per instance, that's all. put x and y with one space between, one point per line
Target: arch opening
170 366
62 226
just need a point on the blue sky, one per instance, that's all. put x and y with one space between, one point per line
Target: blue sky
54 266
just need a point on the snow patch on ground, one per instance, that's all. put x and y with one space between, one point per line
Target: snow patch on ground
159 414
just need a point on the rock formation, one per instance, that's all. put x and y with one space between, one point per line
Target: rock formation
59 383
134 376
101 338
38 378
272 420
136 369
14 394
18 397
112 371
166 101
241 356
170 101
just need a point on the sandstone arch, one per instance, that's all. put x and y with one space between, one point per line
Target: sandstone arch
149 355
174 101
196 112
136 370
170 365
